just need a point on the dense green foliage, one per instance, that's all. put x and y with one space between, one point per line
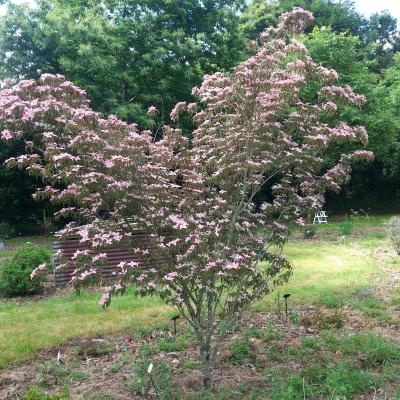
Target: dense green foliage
6 230
16 187
129 55
352 59
15 272
341 16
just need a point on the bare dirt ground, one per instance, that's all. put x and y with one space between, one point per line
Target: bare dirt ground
89 370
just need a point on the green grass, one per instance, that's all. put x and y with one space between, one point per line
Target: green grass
375 349
24 329
320 269
14 243
7 253
357 222
27 328
335 366
167 343
396 297
23 240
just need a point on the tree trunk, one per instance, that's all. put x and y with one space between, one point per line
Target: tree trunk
206 367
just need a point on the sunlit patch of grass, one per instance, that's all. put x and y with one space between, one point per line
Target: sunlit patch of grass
27 328
322 269
7 253
357 222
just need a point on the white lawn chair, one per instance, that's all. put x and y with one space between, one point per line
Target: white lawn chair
320 218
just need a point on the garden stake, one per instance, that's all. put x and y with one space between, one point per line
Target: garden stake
285 296
175 318
278 304
151 379
59 357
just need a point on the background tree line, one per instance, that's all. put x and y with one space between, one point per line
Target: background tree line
131 54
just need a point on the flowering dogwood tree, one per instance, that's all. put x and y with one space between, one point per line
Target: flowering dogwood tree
194 198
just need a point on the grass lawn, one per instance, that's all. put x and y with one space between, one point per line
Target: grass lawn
322 268
319 269
26 240
26 328
356 222
14 243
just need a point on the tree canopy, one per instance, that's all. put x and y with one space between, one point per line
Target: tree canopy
129 55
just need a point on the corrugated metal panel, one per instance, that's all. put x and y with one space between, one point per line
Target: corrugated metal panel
115 255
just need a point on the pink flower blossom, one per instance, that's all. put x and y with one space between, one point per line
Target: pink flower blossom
171 276
152 111
41 267
100 256
6 135
179 223
300 221
105 299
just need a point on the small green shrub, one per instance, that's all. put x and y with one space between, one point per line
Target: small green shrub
371 348
15 273
347 379
240 349
36 393
393 231
331 300
141 384
346 227
309 232
6 230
